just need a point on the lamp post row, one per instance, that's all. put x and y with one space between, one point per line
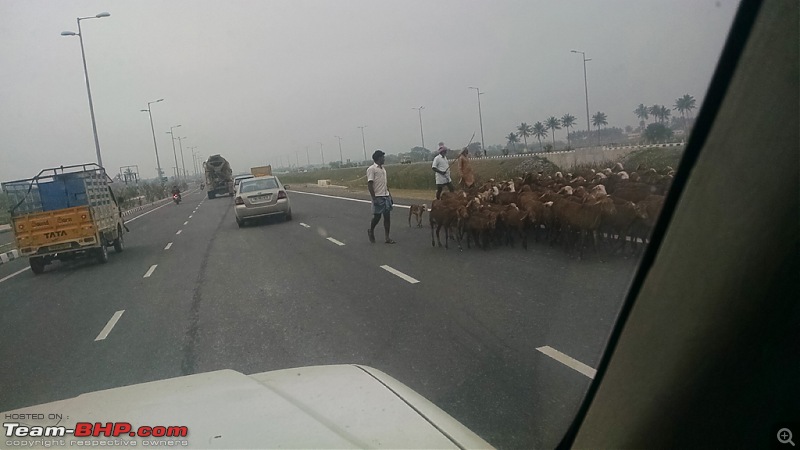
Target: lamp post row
322 155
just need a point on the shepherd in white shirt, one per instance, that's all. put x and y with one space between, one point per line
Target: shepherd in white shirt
381 199
442 169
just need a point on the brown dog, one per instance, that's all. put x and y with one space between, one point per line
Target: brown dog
417 211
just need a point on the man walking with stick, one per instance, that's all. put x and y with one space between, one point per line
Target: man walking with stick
381 199
442 169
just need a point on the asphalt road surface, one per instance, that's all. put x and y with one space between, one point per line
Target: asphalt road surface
504 340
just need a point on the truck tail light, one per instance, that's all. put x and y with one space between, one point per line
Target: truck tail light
281 194
239 201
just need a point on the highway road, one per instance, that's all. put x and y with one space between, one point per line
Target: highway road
504 340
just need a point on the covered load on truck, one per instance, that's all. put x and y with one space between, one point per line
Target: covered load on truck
219 176
261 171
65 212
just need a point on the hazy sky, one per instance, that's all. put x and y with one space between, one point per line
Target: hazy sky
257 81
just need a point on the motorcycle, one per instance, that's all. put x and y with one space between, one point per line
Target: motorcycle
176 198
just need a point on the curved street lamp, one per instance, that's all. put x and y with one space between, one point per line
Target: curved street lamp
158 163
86 75
585 87
174 153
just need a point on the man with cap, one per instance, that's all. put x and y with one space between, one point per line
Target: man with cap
442 169
381 199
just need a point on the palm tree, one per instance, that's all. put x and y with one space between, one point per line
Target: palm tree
600 119
553 124
665 113
655 111
684 104
642 112
540 131
524 130
568 120
513 139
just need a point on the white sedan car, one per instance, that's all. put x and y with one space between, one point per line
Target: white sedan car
261 197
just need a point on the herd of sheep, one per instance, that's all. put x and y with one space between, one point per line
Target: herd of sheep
572 210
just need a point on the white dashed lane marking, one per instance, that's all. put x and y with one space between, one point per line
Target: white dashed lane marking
111 322
568 361
150 271
304 225
168 246
179 232
335 241
394 271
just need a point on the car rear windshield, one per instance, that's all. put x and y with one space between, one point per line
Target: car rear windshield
259 185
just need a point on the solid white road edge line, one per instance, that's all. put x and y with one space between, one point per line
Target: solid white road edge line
568 361
13 274
394 271
150 271
345 198
168 246
111 322
148 212
335 241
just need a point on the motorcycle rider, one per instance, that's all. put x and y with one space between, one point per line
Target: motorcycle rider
176 191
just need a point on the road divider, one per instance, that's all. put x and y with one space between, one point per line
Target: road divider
568 361
394 271
109 326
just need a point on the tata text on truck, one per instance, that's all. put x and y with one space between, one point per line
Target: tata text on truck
63 213
219 176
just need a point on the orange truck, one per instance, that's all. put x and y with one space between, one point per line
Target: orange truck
261 171
63 213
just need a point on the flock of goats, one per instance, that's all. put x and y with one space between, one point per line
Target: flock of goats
573 210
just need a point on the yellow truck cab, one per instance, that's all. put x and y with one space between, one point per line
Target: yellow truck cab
63 213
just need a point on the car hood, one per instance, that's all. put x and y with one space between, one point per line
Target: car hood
341 406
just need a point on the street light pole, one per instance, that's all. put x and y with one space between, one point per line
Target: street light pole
420 124
86 76
363 142
155 145
183 163
308 158
321 153
480 117
341 158
174 153
585 87
194 160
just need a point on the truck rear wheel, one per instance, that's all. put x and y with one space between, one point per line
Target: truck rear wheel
119 242
37 264
102 254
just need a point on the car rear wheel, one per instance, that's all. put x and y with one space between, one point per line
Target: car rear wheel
211 195
239 222
37 264
288 215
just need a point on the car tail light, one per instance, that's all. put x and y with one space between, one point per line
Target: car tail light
281 194
239 201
